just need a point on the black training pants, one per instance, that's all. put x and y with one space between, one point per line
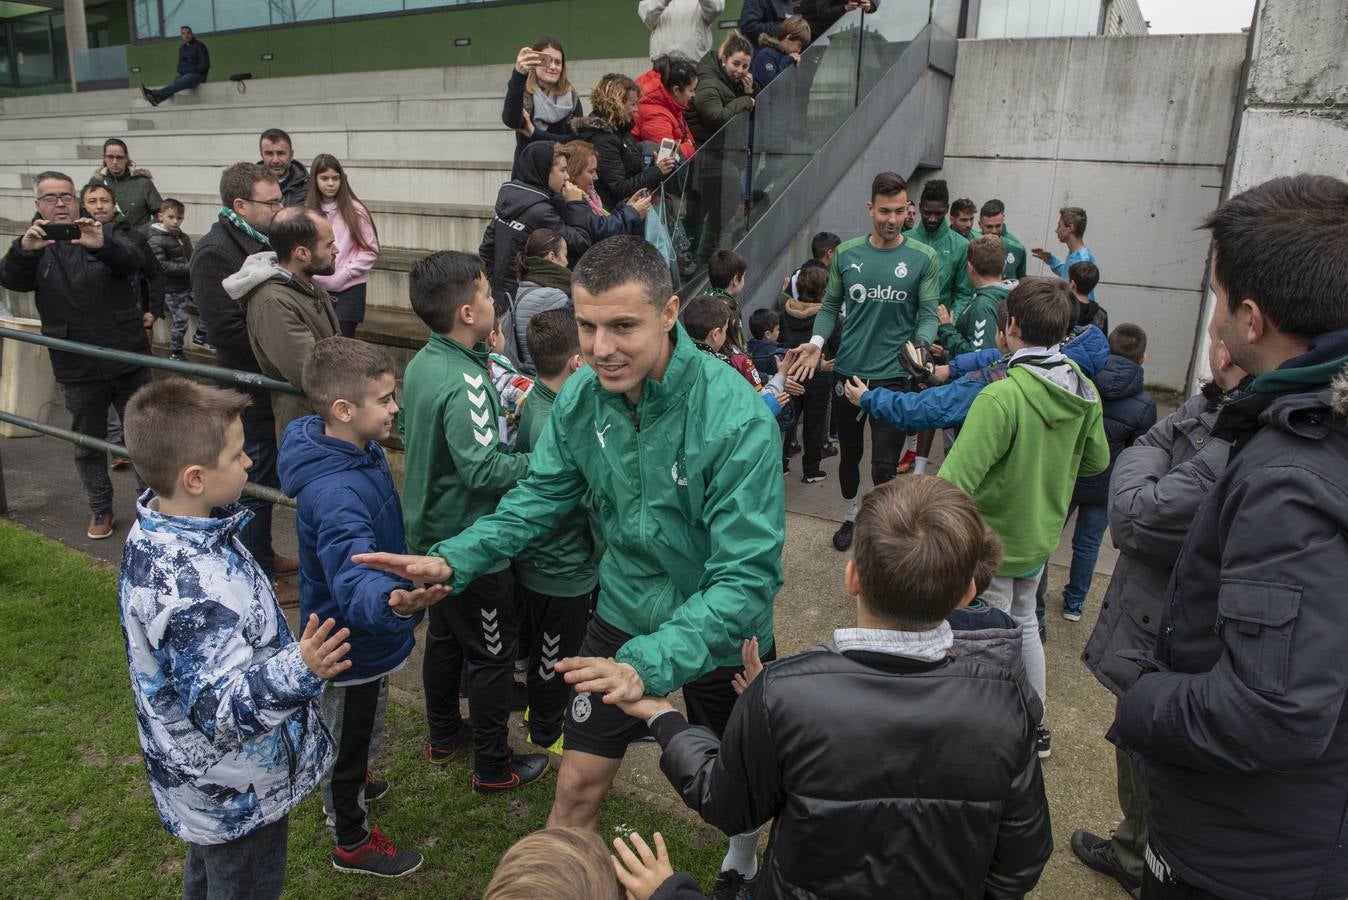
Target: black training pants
556 627
886 440
477 630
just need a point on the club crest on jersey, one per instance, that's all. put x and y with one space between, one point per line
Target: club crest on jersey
580 708
1010 259
901 270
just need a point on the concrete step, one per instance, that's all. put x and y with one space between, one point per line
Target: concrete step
375 179
156 148
259 93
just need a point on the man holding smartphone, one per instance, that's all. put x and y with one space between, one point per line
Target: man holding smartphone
81 276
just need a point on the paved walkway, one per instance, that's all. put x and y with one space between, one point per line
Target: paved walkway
44 495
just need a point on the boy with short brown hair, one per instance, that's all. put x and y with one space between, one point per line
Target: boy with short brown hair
228 716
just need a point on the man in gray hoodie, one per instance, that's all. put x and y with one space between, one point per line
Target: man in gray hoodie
287 313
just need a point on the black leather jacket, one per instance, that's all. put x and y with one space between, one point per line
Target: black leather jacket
885 777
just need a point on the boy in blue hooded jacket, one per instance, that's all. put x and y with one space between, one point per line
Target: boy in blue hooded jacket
346 504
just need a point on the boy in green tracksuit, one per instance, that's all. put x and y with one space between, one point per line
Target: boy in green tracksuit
933 229
683 462
992 220
456 469
976 327
556 577
891 286
1024 443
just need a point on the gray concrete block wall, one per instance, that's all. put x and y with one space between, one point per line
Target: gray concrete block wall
1133 129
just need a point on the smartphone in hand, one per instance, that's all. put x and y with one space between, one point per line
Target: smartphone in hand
61 231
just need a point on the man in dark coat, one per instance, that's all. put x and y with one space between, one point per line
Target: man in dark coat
194 64
278 155
83 293
822 14
1239 722
250 198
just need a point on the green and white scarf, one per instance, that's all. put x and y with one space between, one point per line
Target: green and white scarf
237 221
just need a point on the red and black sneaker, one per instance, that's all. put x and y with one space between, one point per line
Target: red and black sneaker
522 770
441 753
377 856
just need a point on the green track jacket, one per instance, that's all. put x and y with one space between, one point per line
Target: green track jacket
976 327
456 466
952 250
690 502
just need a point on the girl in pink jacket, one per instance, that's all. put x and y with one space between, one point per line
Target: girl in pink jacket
354 231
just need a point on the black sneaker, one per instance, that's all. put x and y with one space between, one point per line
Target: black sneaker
377 856
786 467
830 449
842 538
731 885
375 788
813 477
522 770
1098 854
1042 743
441 753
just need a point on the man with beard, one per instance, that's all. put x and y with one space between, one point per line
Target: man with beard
287 313
278 156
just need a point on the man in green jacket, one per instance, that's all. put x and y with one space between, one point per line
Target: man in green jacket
976 327
934 230
992 220
684 465
456 469
558 573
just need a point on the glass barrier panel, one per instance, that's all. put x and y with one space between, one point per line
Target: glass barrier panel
100 64
887 33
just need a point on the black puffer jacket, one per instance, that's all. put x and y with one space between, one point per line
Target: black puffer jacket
885 777
521 206
621 172
220 253
84 296
1243 734
173 249
1128 412
1158 485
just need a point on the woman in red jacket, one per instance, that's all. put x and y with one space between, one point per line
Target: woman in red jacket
666 91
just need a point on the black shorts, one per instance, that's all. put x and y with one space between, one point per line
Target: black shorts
602 729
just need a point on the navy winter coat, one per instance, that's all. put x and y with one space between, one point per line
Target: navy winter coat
1129 412
347 504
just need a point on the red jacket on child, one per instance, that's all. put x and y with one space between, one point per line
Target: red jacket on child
659 117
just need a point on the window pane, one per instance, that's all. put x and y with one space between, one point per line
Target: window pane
239 14
366 7
32 49
283 11
146 14
195 14
6 69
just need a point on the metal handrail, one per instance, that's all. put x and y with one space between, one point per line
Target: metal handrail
130 357
199 370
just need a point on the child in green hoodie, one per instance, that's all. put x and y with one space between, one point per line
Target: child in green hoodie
1024 443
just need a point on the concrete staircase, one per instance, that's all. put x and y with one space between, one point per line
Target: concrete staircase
424 149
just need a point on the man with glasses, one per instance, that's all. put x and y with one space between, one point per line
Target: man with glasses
83 292
249 198
133 191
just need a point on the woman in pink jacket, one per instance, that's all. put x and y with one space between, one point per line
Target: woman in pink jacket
354 231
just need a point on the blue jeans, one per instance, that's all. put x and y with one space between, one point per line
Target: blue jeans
181 83
256 535
1091 524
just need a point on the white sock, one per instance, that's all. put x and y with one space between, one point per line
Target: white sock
910 444
920 466
743 854
849 509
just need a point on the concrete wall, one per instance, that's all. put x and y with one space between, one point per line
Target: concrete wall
1133 129
1294 110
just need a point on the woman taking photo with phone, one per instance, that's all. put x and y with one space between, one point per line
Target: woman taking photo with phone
622 172
540 102
354 231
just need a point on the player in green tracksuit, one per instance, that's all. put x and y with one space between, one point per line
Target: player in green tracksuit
683 462
933 229
992 220
892 287
976 327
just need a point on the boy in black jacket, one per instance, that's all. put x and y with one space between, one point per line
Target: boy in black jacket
173 248
958 809
797 325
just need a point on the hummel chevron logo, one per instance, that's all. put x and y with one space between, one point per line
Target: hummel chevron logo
546 665
491 632
979 329
479 399
473 380
483 437
480 419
